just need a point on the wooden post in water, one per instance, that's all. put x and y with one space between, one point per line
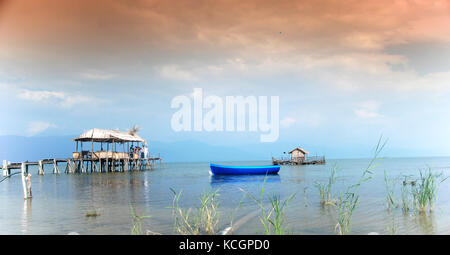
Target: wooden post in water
77 165
28 179
92 157
69 166
24 185
107 158
114 160
40 168
5 168
55 167
81 158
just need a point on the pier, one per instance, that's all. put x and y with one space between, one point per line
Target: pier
117 157
306 161
299 156
87 165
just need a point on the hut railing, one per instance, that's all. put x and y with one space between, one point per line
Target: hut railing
315 158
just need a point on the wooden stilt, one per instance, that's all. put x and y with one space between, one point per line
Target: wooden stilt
68 167
82 166
55 167
125 164
28 179
92 162
24 186
40 168
5 168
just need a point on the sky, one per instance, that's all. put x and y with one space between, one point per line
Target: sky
345 72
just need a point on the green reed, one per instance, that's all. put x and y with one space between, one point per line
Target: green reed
206 219
272 219
305 197
349 199
325 190
390 187
406 194
94 213
424 192
392 227
137 221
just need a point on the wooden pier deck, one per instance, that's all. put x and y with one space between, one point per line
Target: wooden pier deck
84 165
299 161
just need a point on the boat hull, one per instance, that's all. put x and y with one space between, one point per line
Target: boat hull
242 170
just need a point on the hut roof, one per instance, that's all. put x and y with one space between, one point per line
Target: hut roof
108 136
299 149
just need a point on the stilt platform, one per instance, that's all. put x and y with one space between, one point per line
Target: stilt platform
302 161
85 165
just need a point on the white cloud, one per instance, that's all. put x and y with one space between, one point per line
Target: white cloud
368 110
287 122
173 72
39 96
97 75
36 127
60 98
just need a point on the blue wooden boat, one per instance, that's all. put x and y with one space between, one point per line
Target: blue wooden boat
237 170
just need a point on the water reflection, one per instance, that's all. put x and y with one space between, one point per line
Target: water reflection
426 222
26 216
70 197
218 180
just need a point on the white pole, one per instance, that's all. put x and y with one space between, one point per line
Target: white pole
5 168
25 196
41 167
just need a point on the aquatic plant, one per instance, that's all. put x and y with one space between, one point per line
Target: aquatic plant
208 213
204 222
392 227
424 192
349 198
325 189
406 194
137 221
93 213
346 206
273 219
305 197
390 187
278 219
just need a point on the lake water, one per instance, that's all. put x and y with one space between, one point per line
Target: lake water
60 202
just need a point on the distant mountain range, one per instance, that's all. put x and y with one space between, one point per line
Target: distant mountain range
21 148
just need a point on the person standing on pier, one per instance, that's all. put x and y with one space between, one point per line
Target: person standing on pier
145 151
141 151
131 151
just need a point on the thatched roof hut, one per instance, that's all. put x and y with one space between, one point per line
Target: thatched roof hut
298 153
109 136
300 150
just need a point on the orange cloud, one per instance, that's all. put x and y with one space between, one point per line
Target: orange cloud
126 36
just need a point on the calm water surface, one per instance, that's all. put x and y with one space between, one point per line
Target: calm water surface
60 202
